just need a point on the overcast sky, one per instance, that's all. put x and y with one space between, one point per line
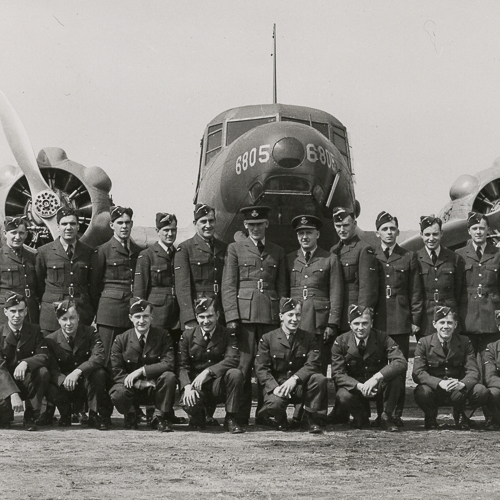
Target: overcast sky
129 86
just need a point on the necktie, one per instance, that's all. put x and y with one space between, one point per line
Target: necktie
69 251
170 252
142 342
308 256
17 334
387 254
211 245
206 336
446 349
434 257
260 246
71 342
361 347
479 253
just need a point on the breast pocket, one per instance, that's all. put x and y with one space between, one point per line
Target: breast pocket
82 273
400 275
247 268
448 276
160 275
55 274
279 361
117 269
11 276
202 267
491 275
350 271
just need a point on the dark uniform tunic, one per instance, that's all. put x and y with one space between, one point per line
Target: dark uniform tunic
278 359
491 369
30 347
7 388
442 284
158 361
17 274
221 355
154 281
61 278
359 272
198 273
111 285
87 355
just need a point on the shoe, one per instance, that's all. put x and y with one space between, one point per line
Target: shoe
336 417
198 422
211 422
29 424
65 421
232 426
387 423
47 417
491 425
463 423
4 425
160 424
295 423
375 423
130 421
313 425
283 425
430 423
265 421
93 420
104 423
359 423
398 421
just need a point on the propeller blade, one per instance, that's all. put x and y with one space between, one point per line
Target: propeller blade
45 201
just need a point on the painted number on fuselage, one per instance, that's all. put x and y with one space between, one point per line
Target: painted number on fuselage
315 153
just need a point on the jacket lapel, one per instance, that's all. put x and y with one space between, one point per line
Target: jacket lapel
437 347
352 347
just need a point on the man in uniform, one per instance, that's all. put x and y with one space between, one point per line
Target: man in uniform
154 276
399 307
208 372
199 263
112 279
315 278
253 281
367 364
288 367
77 373
442 273
143 363
18 268
62 270
446 372
25 359
491 370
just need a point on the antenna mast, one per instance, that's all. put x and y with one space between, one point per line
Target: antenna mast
275 89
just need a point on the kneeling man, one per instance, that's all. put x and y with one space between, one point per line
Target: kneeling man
288 367
142 362
76 371
208 372
367 364
447 373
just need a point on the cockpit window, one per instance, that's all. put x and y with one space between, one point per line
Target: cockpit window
236 129
214 141
320 127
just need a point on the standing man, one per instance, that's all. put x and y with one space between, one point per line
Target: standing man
359 265
112 279
367 364
446 372
254 280
208 372
154 276
288 367
199 263
26 359
77 373
481 293
62 270
316 279
143 363
18 268
399 308
442 273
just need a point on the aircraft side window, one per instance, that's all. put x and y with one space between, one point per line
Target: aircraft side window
214 141
237 128
319 126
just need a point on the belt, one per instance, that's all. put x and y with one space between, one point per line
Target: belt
309 292
481 291
439 296
259 285
72 291
391 291
207 288
169 290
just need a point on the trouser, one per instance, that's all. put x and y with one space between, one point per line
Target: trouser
108 335
249 335
479 343
352 401
313 394
403 341
228 389
429 399
493 404
90 389
325 351
162 396
32 389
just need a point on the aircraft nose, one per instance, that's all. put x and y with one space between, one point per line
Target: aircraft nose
288 152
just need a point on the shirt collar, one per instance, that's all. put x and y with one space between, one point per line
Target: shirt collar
437 251
312 251
65 245
140 334
358 340
124 244
482 247
165 246
255 241
391 248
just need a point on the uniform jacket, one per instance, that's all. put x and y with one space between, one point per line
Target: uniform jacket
154 281
30 347
481 293
360 276
60 278
111 282
127 355
87 353
381 355
431 365
491 365
17 274
318 284
400 298
252 284
7 384
195 354
198 273
442 284
278 359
